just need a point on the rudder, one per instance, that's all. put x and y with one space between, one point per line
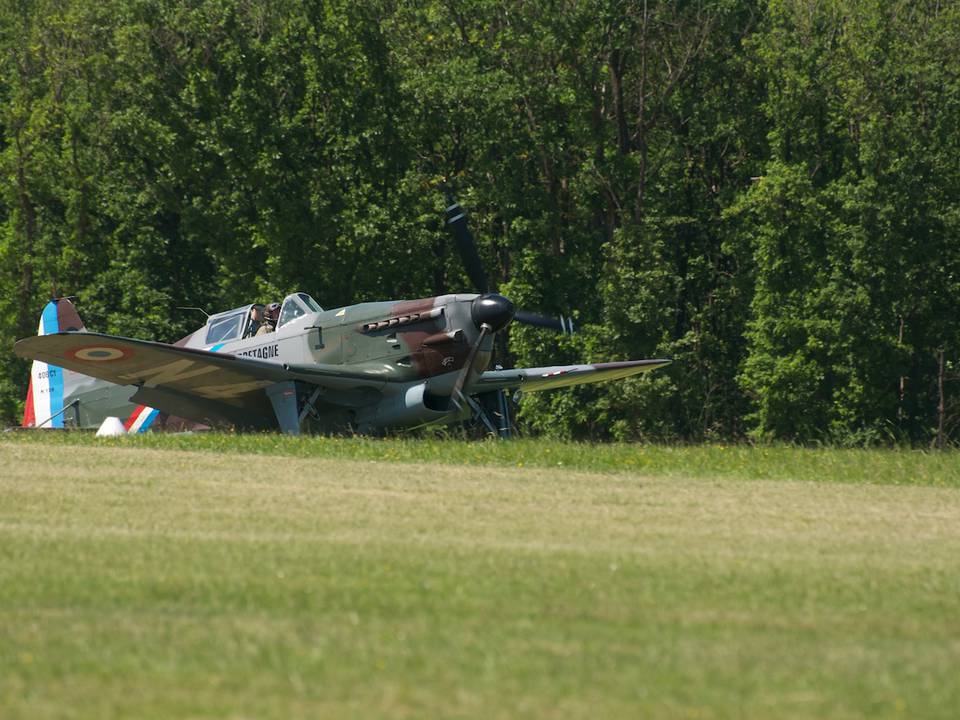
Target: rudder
51 386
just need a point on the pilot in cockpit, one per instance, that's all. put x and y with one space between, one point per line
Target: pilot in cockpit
271 315
256 321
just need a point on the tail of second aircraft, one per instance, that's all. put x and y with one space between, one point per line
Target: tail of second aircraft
59 398
52 390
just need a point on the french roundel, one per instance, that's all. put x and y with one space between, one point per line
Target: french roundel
99 353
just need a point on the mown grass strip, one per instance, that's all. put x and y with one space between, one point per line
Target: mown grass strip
151 583
858 466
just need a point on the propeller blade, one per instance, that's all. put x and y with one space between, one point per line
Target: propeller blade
561 323
466 246
457 394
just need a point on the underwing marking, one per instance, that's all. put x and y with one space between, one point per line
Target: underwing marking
221 392
169 373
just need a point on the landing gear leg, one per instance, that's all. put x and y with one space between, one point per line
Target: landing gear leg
283 397
308 406
506 426
480 413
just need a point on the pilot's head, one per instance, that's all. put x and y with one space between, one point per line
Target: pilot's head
273 312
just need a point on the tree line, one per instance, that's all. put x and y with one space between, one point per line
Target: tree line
767 191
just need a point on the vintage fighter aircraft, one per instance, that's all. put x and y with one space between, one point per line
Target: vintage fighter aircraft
364 368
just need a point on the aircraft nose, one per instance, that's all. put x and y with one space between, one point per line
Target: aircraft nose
492 309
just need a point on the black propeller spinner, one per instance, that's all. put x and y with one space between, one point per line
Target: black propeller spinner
493 310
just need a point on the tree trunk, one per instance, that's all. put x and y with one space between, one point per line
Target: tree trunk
28 226
942 407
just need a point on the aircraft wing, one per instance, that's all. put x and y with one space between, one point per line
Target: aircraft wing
559 376
186 381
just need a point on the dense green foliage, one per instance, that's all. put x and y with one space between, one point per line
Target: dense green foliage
766 190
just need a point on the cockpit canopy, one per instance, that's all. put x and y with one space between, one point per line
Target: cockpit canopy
231 325
295 306
227 326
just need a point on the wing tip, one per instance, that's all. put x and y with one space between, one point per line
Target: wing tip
652 363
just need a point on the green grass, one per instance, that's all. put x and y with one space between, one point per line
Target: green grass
307 580
783 462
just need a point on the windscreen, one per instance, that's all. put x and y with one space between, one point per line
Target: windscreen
291 310
309 302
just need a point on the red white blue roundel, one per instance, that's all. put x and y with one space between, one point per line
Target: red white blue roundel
99 353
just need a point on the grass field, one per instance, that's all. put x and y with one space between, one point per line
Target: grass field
223 576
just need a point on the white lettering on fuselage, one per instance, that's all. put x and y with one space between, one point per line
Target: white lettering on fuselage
264 352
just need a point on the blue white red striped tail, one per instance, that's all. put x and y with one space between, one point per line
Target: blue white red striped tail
49 384
53 391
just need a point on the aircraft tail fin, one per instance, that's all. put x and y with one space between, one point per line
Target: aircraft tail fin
51 391
55 393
